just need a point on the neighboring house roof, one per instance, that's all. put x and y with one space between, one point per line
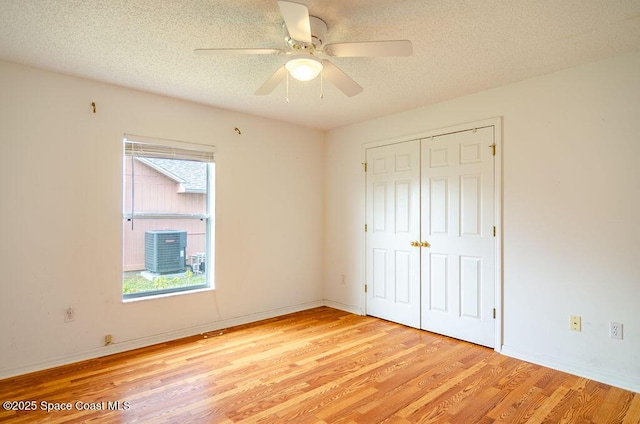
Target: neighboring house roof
190 175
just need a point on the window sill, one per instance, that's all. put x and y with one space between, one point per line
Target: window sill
164 295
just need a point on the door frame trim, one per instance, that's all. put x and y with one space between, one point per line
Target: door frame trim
496 122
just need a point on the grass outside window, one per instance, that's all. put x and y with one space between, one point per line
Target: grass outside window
134 282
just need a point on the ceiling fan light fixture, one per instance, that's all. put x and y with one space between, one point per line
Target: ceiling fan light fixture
304 68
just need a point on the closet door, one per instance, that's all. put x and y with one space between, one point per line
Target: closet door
458 269
393 230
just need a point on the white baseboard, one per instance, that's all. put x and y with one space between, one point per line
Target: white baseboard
341 306
155 339
621 381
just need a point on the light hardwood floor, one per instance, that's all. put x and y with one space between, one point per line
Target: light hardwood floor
317 366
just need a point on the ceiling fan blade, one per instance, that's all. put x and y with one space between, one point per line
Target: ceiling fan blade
341 80
275 80
296 18
213 52
370 49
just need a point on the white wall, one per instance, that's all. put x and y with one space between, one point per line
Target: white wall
571 209
60 218
571 212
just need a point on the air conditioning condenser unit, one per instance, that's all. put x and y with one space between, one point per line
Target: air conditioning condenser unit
164 251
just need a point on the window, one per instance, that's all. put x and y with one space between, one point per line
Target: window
167 217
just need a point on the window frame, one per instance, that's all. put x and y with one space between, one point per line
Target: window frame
145 147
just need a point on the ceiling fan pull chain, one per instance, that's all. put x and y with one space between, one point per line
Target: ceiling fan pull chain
287 87
321 85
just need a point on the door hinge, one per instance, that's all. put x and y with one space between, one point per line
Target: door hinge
494 313
494 230
365 228
365 288
365 166
493 148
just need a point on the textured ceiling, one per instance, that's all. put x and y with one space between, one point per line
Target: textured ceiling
460 47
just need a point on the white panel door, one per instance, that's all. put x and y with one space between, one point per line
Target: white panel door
393 223
457 221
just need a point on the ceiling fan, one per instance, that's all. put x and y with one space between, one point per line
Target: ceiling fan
306 48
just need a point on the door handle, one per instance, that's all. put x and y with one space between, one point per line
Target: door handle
424 244
415 243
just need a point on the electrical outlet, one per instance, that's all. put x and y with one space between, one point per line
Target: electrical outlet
575 323
615 330
108 339
69 314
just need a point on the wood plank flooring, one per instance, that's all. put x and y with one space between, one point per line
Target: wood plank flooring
317 366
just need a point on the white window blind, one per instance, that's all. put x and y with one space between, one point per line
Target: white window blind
167 149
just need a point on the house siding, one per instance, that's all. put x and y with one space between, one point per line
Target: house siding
156 193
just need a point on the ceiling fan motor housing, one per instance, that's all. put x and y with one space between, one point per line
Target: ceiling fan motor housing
318 35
